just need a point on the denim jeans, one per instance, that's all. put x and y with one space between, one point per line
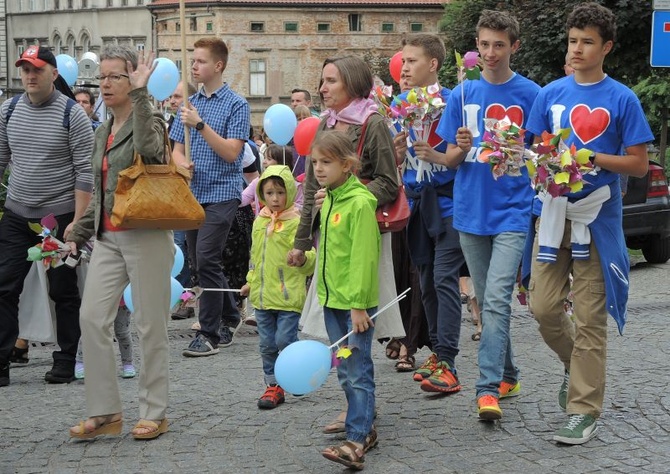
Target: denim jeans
184 276
207 243
15 240
356 373
276 330
493 261
440 294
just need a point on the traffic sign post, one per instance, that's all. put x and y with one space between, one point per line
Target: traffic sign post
660 39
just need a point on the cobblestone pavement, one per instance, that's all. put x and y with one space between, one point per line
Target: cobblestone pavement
216 427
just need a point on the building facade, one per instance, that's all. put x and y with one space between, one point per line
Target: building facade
276 46
71 27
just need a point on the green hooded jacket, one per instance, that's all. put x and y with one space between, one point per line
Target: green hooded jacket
274 285
349 248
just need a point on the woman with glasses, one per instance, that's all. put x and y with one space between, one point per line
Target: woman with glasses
140 257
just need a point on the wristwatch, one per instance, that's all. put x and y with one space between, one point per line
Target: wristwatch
200 125
592 157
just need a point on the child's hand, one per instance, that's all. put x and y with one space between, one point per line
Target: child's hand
244 291
360 321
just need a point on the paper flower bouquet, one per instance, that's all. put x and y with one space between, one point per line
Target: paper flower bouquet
503 147
557 168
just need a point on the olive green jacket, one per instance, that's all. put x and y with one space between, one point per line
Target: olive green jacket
144 132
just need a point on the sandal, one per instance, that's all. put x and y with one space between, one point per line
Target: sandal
406 364
370 440
348 455
19 355
477 336
337 426
107 427
393 349
156 429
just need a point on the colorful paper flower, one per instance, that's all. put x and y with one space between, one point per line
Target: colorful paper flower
503 147
557 168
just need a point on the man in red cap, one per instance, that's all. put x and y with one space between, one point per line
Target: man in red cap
49 140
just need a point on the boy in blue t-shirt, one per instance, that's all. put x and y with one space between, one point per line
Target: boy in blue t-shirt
492 216
605 117
431 238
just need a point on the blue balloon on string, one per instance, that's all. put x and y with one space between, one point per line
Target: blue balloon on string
176 290
178 261
67 68
128 298
303 366
279 123
164 80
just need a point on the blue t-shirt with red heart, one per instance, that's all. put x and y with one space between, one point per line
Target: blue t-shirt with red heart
604 117
482 204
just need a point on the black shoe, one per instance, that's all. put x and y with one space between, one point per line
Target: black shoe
61 372
183 313
200 347
19 356
4 375
225 336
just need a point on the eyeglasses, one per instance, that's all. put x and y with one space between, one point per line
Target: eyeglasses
112 77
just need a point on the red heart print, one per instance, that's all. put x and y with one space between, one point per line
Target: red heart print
499 111
589 124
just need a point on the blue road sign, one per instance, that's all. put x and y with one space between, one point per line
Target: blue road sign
660 39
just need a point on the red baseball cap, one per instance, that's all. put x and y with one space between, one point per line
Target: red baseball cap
38 56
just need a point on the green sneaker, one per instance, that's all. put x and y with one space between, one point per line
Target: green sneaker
563 392
426 369
578 430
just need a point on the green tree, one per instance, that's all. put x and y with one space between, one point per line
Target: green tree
543 37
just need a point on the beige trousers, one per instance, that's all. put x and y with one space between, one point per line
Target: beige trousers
144 258
582 345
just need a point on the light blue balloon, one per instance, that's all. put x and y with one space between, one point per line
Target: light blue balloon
176 291
279 123
178 261
303 366
128 298
68 68
163 81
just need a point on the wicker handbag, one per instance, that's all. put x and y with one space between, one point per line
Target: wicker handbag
156 197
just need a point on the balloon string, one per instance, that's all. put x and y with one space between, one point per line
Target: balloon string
230 290
379 311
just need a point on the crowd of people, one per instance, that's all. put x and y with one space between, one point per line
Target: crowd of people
300 238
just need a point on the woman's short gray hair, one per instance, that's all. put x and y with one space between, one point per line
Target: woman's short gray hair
123 53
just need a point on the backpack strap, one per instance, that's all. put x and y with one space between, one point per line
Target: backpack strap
66 115
12 106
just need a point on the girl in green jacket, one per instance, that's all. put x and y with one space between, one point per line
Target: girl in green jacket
348 286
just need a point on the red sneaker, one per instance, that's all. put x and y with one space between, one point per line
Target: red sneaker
273 396
443 380
426 369
488 408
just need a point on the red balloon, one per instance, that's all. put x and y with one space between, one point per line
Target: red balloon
304 135
395 66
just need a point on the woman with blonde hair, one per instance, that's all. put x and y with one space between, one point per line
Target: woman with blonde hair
141 257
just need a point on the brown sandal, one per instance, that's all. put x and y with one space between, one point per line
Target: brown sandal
337 425
406 364
348 455
370 440
393 349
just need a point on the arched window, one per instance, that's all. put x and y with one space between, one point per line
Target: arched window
85 42
57 44
70 45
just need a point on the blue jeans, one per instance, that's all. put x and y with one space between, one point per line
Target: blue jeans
184 276
440 294
276 330
356 373
493 261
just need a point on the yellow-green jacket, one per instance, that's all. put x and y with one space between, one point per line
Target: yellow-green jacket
274 285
